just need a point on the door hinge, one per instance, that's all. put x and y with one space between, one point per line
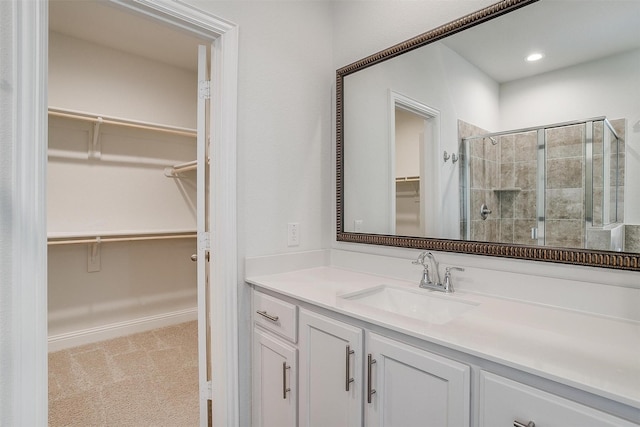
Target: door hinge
206 393
204 240
204 89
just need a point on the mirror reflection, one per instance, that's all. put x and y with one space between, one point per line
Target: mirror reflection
465 138
557 185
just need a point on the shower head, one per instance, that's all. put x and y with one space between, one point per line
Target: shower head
493 140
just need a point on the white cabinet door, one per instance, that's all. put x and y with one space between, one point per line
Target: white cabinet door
503 402
412 387
330 372
274 381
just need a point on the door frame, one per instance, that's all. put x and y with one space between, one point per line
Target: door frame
430 153
29 48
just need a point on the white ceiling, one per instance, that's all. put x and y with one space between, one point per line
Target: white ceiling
566 32
99 22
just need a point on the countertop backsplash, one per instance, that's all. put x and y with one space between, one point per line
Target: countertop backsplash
585 289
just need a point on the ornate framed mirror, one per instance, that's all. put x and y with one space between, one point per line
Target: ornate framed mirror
456 141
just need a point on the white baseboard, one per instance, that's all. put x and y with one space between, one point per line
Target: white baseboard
120 329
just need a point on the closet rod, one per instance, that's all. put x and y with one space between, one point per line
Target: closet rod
183 167
121 122
407 179
131 238
173 171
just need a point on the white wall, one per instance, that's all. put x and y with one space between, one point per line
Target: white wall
609 87
434 76
137 280
408 128
125 191
363 28
284 121
284 136
93 78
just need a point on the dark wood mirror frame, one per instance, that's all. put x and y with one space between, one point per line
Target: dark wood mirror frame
606 259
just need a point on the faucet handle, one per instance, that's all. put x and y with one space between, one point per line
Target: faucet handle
448 285
420 259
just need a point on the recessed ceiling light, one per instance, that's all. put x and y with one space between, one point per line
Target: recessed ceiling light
534 57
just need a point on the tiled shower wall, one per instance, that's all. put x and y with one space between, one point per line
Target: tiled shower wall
517 187
504 177
483 170
564 201
632 238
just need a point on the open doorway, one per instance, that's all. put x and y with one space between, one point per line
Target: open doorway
27 386
122 210
415 146
122 290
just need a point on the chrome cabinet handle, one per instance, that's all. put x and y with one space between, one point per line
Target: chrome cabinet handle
519 424
285 389
267 315
370 390
348 379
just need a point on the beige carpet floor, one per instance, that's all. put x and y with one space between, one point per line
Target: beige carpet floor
146 379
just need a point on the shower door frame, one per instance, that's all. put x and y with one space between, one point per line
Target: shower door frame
541 171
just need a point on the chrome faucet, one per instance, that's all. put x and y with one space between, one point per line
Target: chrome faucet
436 266
438 285
425 282
447 284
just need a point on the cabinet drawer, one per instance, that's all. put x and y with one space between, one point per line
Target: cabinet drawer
503 401
276 316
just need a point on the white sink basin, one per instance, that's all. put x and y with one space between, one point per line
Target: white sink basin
419 304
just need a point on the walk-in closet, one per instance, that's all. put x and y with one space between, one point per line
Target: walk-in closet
121 218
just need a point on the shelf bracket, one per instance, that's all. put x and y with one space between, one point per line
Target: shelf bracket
93 256
95 151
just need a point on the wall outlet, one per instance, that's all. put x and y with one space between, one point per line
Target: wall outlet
357 226
293 234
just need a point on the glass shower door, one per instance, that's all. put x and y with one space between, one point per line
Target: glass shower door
558 185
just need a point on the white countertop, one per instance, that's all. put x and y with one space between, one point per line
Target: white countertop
592 353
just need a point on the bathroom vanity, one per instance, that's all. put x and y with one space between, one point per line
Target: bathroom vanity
334 347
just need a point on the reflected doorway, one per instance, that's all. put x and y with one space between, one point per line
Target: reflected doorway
415 142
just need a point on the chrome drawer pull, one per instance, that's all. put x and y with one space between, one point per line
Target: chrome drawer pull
348 379
370 390
268 316
519 424
285 389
